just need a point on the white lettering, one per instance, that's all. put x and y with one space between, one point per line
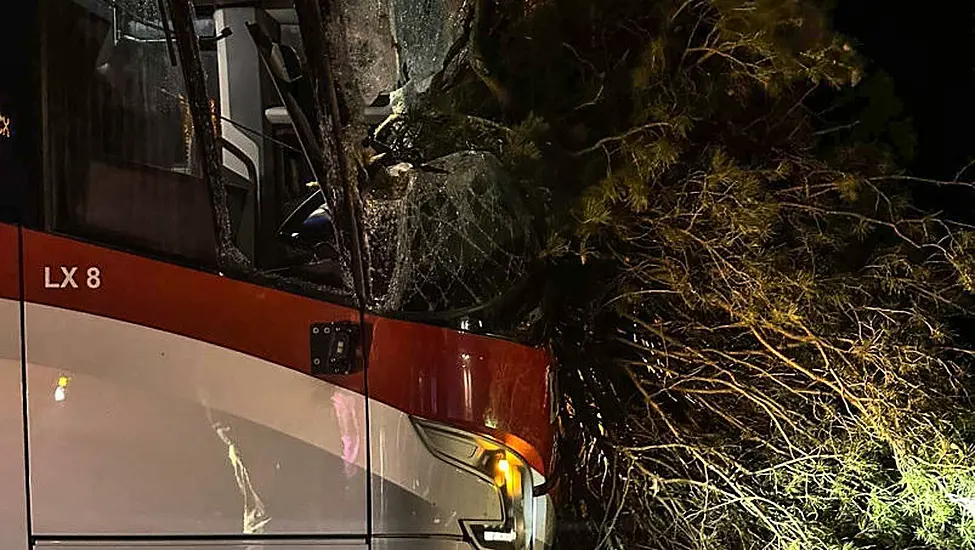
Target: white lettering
69 277
68 273
94 277
47 279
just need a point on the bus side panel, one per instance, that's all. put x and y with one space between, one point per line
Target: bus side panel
13 486
475 383
170 402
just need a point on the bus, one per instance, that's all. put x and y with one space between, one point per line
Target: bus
155 396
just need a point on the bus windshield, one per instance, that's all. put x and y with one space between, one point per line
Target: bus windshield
320 136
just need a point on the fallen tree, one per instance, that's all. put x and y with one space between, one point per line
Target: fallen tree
761 335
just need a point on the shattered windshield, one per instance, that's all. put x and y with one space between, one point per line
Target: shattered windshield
326 156
448 231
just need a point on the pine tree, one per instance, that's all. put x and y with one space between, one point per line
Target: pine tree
762 336
764 347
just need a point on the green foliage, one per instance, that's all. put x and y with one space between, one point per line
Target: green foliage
762 348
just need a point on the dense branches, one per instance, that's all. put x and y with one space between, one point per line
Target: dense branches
766 349
790 353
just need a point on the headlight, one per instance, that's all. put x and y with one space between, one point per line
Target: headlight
492 461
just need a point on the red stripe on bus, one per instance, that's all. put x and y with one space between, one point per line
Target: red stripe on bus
464 380
244 317
9 257
472 382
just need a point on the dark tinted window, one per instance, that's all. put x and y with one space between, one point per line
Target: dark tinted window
121 158
19 147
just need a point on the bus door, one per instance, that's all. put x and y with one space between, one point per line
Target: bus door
169 401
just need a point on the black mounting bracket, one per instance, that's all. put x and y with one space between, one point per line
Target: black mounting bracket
334 348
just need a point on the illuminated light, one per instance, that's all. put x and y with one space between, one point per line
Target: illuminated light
498 536
5 131
507 471
503 467
61 391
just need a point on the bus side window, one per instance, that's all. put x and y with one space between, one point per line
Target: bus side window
122 162
18 140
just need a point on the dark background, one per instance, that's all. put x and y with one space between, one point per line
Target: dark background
928 49
19 155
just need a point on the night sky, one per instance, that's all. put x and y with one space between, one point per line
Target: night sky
928 48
